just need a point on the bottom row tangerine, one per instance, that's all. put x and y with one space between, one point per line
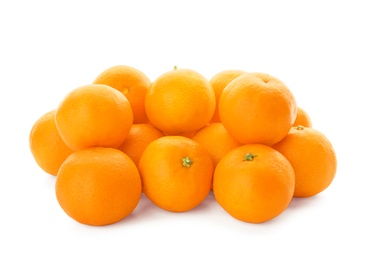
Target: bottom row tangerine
100 186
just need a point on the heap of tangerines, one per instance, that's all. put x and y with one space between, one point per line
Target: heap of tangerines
240 135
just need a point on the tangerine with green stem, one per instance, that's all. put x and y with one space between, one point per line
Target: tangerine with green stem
176 173
254 183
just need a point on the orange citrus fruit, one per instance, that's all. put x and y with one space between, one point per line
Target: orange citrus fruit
254 183
180 101
133 83
218 82
216 140
98 186
138 138
94 115
312 157
257 108
302 118
176 173
47 147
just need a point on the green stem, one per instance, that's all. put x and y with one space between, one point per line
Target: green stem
300 127
249 157
187 162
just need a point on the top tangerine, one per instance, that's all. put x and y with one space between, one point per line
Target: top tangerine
180 101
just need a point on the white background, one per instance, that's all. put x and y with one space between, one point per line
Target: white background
318 48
